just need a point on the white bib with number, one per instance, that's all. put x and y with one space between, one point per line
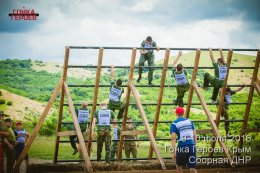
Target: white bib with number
228 98
181 79
115 94
148 46
222 72
185 129
83 116
104 117
115 133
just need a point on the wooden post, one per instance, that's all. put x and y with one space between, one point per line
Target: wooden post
131 73
146 124
221 98
257 86
160 95
78 130
37 127
65 69
194 73
249 101
99 64
212 123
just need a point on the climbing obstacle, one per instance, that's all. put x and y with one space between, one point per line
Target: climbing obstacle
63 88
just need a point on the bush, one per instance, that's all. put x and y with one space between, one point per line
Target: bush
9 103
2 101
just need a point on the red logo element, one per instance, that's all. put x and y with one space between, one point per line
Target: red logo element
24 14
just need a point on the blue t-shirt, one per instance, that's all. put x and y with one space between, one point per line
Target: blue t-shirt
183 127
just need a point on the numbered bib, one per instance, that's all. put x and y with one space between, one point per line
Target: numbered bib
180 79
104 117
228 98
83 116
185 129
115 94
148 46
222 72
21 138
115 133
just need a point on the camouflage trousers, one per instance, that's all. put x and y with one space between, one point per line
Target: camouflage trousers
104 136
150 58
216 83
117 106
130 149
181 90
114 149
224 113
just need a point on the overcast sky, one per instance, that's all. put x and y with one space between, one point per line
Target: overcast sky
171 23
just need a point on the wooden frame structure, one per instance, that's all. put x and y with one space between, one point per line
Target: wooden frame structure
64 88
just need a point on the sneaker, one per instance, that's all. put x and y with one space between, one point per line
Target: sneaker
75 152
139 79
150 83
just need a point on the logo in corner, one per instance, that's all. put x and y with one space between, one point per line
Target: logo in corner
23 14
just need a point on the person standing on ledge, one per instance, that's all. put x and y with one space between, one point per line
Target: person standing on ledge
116 92
147 55
183 130
217 81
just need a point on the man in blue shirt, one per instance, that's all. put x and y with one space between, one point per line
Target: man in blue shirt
185 153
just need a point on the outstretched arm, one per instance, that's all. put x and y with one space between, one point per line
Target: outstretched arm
173 146
112 74
221 53
177 58
211 54
240 88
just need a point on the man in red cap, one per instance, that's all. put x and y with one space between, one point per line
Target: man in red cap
183 130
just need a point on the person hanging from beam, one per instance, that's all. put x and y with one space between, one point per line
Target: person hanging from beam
130 146
116 92
227 101
83 119
180 76
217 81
147 55
183 130
116 135
103 117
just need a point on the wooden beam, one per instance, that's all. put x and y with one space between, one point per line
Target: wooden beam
212 123
132 65
78 130
194 74
95 97
250 98
146 124
133 132
250 130
160 95
66 133
221 98
38 126
204 131
257 85
65 69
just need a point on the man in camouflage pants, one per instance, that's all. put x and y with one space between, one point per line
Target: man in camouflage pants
103 117
130 146
180 76
115 95
147 55
116 135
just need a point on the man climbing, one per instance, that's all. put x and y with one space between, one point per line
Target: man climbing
83 119
217 81
147 55
180 76
116 92
3 134
227 101
183 130
130 146
116 135
103 117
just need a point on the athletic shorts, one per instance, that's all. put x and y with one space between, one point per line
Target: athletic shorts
186 155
